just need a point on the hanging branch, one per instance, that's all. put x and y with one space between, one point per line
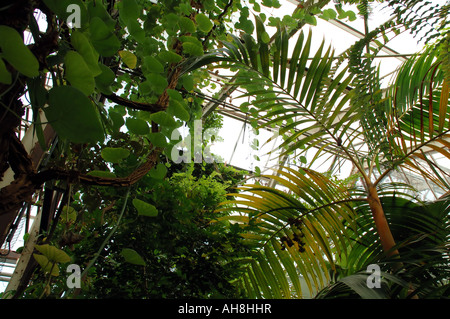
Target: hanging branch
152 108
22 188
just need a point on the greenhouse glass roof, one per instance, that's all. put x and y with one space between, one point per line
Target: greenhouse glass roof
237 134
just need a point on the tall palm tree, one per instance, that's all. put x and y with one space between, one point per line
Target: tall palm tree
312 228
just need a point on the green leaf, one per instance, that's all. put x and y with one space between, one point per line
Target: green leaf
114 154
117 120
177 106
328 14
153 65
128 58
82 45
17 53
204 23
157 82
192 49
105 79
137 126
144 208
169 57
175 95
78 73
53 254
5 76
164 119
159 172
188 82
46 265
170 23
186 25
158 139
136 31
265 37
103 40
310 19
73 115
178 109
96 8
129 10
145 87
68 214
132 257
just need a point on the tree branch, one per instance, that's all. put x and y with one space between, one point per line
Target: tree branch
21 189
152 108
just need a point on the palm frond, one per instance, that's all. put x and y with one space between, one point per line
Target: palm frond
424 18
301 92
298 230
420 118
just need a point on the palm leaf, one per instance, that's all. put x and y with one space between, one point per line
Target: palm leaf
420 117
298 230
297 91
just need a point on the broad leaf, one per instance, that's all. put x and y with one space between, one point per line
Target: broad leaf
132 257
78 73
158 172
105 79
152 65
114 154
144 208
204 23
158 139
16 53
53 254
73 115
46 265
128 58
103 40
129 10
170 57
186 25
137 126
81 43
164 119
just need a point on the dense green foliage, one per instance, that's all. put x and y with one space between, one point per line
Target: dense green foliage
116 79
185 253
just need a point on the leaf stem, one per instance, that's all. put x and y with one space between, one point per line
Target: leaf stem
102 246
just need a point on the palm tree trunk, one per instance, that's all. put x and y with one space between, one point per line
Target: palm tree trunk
381 223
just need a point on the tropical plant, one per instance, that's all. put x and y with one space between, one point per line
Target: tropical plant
107 85
311 225
110 81
159 244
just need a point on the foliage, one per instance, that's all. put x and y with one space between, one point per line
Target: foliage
179 252
117 86
328 106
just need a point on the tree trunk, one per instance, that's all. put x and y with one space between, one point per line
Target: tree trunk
381 223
